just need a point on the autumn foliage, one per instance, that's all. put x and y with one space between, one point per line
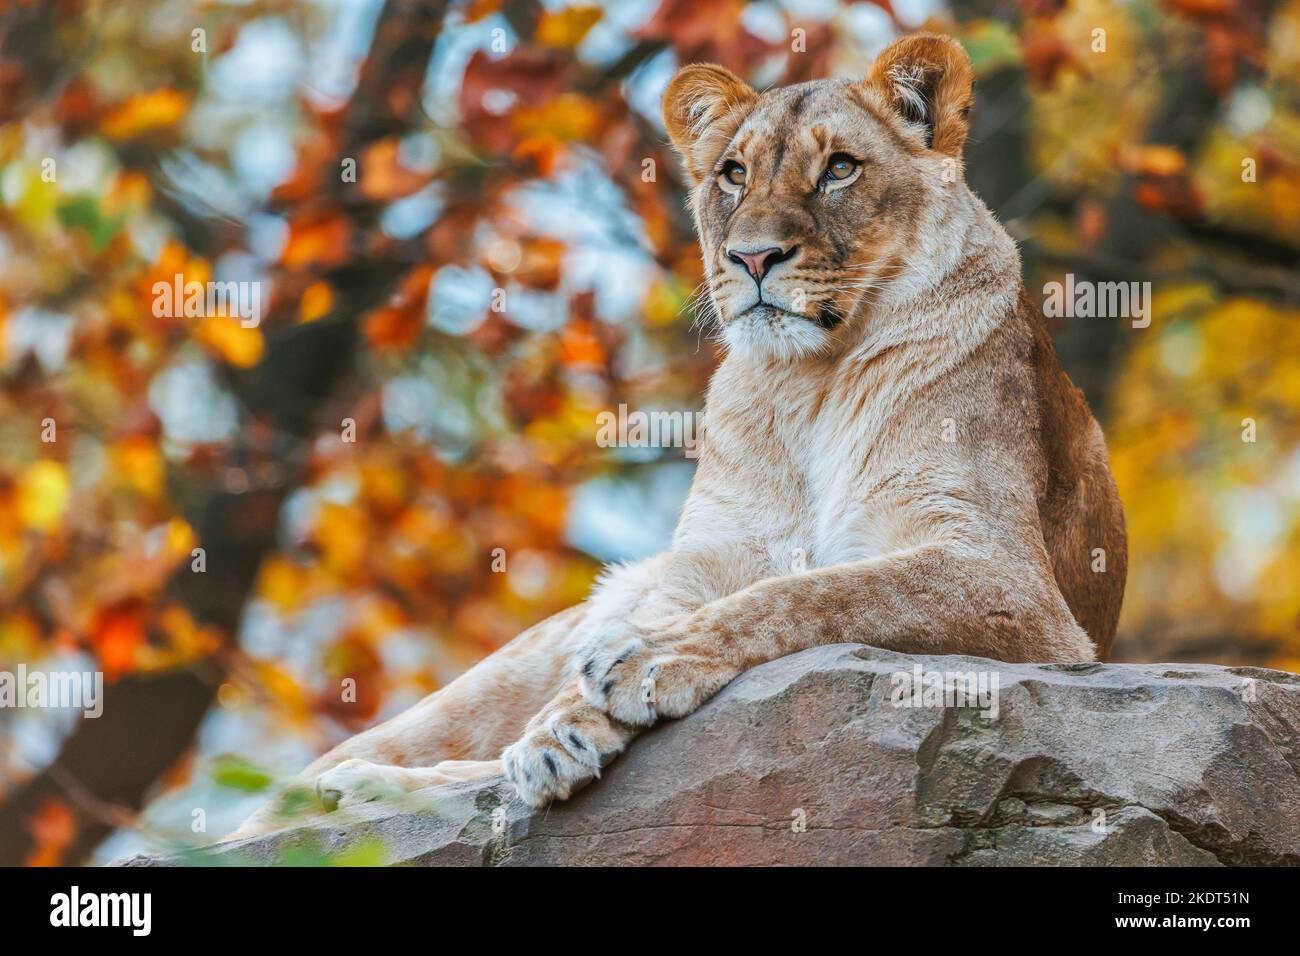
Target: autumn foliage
470 238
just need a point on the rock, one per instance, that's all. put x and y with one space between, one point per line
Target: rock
811 760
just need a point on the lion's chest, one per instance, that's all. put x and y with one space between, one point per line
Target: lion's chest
789 483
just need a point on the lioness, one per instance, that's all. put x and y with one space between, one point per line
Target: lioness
892 455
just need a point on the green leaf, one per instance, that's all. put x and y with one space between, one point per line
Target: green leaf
83 212
370 853
991 46
238 774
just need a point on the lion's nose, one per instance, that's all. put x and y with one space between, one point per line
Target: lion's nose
760 263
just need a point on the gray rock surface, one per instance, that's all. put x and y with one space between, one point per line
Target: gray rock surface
810 760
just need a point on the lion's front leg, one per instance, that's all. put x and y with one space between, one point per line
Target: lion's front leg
356 781
665 674
930 600
570 740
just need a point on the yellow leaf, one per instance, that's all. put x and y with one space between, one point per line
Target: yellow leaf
180 538
283 688
187 640
566 28
568 117
20 637
140 465
317 300
143 112
43 492
38 201
663 303
227 338
281 582
1153 160
341 534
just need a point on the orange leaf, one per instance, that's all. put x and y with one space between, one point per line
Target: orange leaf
53 828
139 465
317 242
399 324
395 328
117 632
543 151
144 112
580 346
542 263
382 174
352 658
476 10
1153 160
1045 55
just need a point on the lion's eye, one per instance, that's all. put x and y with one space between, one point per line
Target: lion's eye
841 166
734 173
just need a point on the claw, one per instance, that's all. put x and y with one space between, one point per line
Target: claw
329 797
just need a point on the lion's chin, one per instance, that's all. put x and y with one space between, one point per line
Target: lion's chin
765 332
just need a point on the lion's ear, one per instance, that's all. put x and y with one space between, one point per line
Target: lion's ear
927 78
703 106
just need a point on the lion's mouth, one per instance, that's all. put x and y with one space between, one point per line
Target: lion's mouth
825 318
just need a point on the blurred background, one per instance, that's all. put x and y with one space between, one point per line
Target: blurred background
470 239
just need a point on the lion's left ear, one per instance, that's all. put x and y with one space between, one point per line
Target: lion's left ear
927 79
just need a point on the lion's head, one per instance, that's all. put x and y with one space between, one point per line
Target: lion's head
808 199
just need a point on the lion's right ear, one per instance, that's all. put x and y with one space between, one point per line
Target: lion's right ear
703 105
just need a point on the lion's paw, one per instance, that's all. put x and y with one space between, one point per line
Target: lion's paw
358 781
562 748
641 681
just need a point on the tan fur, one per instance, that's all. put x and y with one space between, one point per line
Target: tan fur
892 453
